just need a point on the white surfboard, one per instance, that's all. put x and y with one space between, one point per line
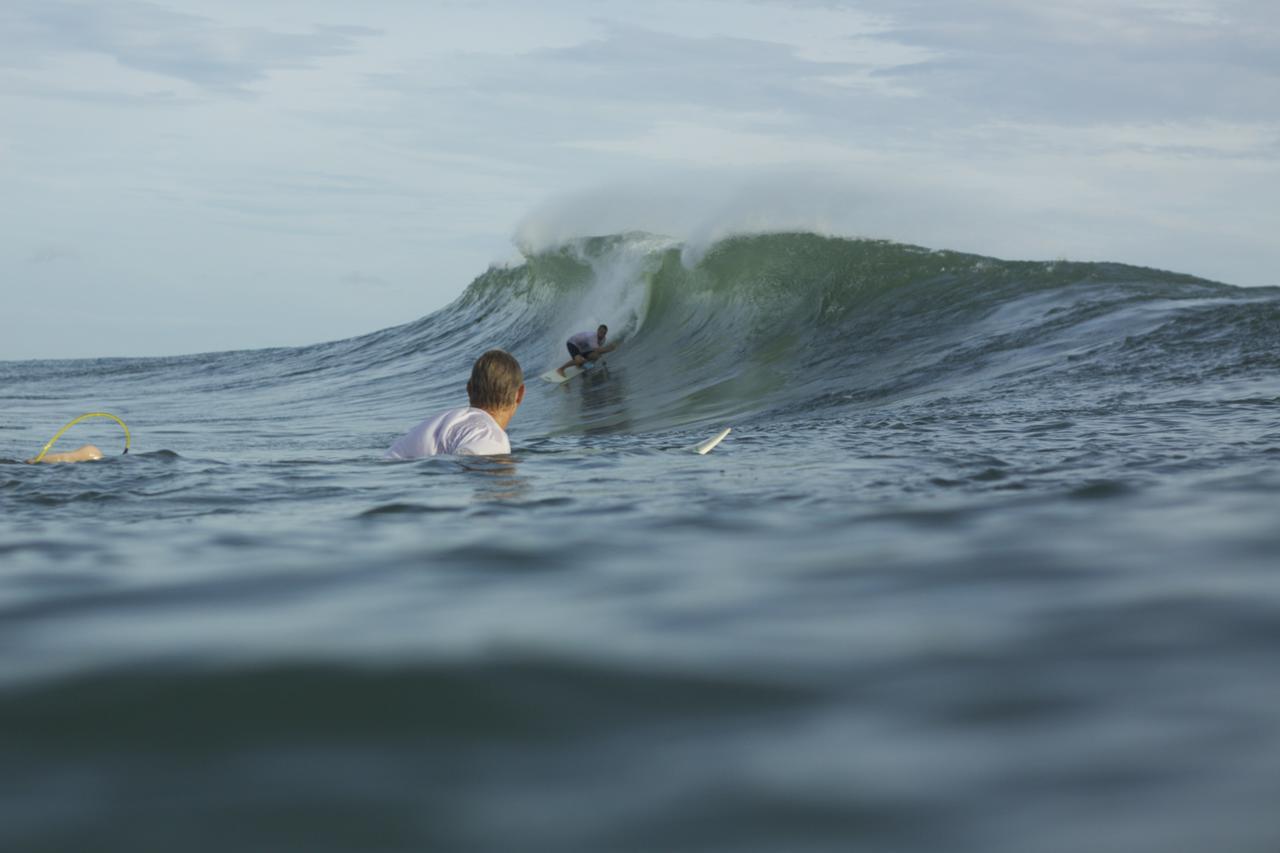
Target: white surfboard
703 448
569 372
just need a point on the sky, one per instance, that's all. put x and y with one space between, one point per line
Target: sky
190 176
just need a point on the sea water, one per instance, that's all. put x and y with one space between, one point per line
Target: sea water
989 563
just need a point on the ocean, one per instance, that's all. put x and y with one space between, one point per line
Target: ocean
988 563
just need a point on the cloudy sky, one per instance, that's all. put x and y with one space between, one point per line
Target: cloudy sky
190 175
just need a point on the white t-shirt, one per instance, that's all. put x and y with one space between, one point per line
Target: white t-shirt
585 342
461 432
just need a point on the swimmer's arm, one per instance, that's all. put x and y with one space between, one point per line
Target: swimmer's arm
88 453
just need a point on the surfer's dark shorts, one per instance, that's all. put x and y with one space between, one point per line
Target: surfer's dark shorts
574 352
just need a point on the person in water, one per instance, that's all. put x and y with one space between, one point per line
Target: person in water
495 390
586 346
86 453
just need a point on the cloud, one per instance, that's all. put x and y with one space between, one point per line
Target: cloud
150 38
933 76
637 67
1089 60
52 253
364 281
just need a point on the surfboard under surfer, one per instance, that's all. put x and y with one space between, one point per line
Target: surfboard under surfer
494 392
586 346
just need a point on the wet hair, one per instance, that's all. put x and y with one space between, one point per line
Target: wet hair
603 328
495 380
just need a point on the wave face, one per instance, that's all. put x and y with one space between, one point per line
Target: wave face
779 325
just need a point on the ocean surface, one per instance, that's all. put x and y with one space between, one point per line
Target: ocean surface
990 562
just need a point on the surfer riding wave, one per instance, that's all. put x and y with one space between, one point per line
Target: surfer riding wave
586 346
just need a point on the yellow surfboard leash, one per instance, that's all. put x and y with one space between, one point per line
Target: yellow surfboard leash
59 433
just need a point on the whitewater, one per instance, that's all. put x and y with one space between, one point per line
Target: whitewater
987 563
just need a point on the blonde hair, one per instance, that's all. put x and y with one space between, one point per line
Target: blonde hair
495 380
